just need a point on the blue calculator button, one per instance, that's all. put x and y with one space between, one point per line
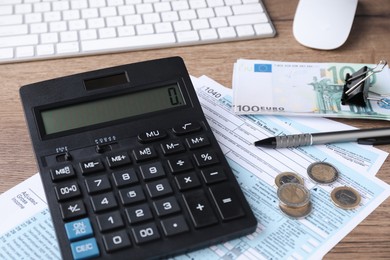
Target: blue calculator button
78 229
84 249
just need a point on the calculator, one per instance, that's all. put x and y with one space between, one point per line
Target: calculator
129 164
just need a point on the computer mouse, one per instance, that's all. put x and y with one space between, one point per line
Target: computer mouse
323 24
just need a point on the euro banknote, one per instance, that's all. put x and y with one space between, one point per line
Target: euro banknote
305 89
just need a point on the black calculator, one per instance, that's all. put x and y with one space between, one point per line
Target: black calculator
129 164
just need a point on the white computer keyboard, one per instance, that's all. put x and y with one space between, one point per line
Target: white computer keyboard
44 29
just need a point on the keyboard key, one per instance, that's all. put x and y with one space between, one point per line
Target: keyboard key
103 202
172 146
145 233
85 249
109 221
116 241
201 212
144 153
197 141
159 188
205 158
131 195
180 164
91 166
213 175
174 226
166 206
141 41
186 128
78 229
227 201
152 136
66 191
138 213
97 184
125 177
72 209
62 172
152 170
18 40
118 159
187 181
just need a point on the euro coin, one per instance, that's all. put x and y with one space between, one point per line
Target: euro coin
345 197
322 172
288 177
293 195
296 212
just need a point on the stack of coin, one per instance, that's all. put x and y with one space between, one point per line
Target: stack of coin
288 177
294 200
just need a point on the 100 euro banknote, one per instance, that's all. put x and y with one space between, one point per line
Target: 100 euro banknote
305 89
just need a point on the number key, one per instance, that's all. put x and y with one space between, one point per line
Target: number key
97 184
103 201
109 221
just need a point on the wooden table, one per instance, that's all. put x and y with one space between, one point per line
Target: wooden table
369 42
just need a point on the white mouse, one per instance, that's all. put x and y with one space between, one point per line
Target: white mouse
323 24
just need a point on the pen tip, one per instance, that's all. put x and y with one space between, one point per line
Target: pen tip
267 142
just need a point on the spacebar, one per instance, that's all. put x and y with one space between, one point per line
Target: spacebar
129 42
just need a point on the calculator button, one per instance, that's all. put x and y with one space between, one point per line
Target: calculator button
205 158
197 141
62 172
103 202
84 249
109 221
186 128
131 195
145 233
91 166
72 209
138 213
151 136
78 229
116 241
152 170
187 181
180 164
227 201
166 206
97 184
125 177
171 147
175 225
144 153
118 159
202 214
67 190
213 175
159 188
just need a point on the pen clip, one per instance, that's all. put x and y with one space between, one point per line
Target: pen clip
374 140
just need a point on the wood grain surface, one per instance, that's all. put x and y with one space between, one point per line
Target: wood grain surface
369 42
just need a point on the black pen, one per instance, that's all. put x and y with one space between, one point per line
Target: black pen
361 136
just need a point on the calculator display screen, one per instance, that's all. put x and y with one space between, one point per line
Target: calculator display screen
109 109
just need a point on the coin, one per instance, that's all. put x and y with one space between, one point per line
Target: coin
288 177
296 212
345 197
293 195
322 172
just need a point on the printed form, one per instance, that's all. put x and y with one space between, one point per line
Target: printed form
27 223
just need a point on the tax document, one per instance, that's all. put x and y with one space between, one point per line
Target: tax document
26 230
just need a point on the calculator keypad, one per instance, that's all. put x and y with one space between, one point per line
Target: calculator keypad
170 183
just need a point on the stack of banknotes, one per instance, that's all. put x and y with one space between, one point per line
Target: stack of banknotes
305 89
